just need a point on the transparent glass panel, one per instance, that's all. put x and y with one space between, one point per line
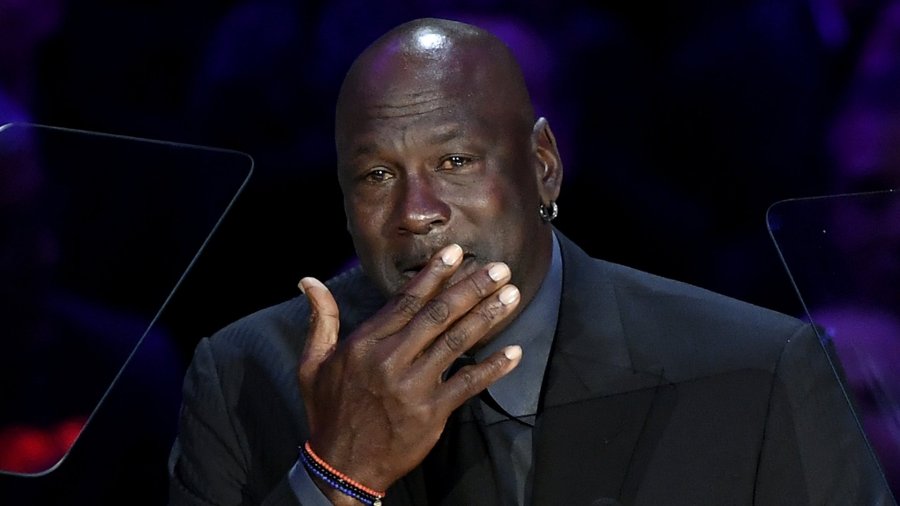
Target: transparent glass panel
97 231
843 255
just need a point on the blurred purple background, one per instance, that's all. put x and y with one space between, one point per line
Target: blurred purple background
679 124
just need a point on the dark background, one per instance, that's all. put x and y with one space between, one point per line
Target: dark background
679 123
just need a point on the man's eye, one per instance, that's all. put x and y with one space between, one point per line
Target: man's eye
454 162
378 175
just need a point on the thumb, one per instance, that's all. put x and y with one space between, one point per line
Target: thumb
322 334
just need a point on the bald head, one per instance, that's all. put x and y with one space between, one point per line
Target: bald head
408 68
437 144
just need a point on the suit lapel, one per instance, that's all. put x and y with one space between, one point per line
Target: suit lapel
595 421
602 407
458 470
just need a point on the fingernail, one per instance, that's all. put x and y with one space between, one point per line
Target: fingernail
513 352
451 254
509 294
307 283
498 271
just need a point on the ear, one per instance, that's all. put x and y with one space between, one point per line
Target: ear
548 168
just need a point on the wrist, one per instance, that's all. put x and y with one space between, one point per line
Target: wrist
337 486
334 496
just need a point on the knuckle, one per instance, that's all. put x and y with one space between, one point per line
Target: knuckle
469 379
437 311
479 288
456 340
488 312
492 367
423 413
407 304
385 367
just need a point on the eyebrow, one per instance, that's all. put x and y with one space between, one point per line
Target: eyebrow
445 135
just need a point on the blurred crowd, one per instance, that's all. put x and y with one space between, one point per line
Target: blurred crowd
678 124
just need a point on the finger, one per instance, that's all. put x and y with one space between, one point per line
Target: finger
442 311
427 283
322 334
473 328
470 380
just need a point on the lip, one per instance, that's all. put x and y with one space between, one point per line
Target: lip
411 267
465 268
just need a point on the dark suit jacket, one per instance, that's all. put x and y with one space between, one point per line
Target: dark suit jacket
657 393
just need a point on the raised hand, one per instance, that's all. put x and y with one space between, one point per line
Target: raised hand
376 401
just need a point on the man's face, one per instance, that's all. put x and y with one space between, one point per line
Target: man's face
423 163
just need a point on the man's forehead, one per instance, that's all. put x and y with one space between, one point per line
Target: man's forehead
430 130
366 135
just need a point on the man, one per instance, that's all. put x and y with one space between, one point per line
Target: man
477 356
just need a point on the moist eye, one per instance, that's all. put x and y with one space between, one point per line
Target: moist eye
455 162
377 175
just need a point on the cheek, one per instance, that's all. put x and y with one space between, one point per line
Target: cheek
364 216
511 204
504 220
496 198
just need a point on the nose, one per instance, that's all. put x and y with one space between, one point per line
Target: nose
421 208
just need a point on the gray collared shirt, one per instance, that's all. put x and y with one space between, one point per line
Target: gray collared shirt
509 412
509 419
519 391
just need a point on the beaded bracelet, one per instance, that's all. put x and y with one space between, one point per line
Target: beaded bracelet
338 480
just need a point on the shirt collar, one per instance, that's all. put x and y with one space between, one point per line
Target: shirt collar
519 391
